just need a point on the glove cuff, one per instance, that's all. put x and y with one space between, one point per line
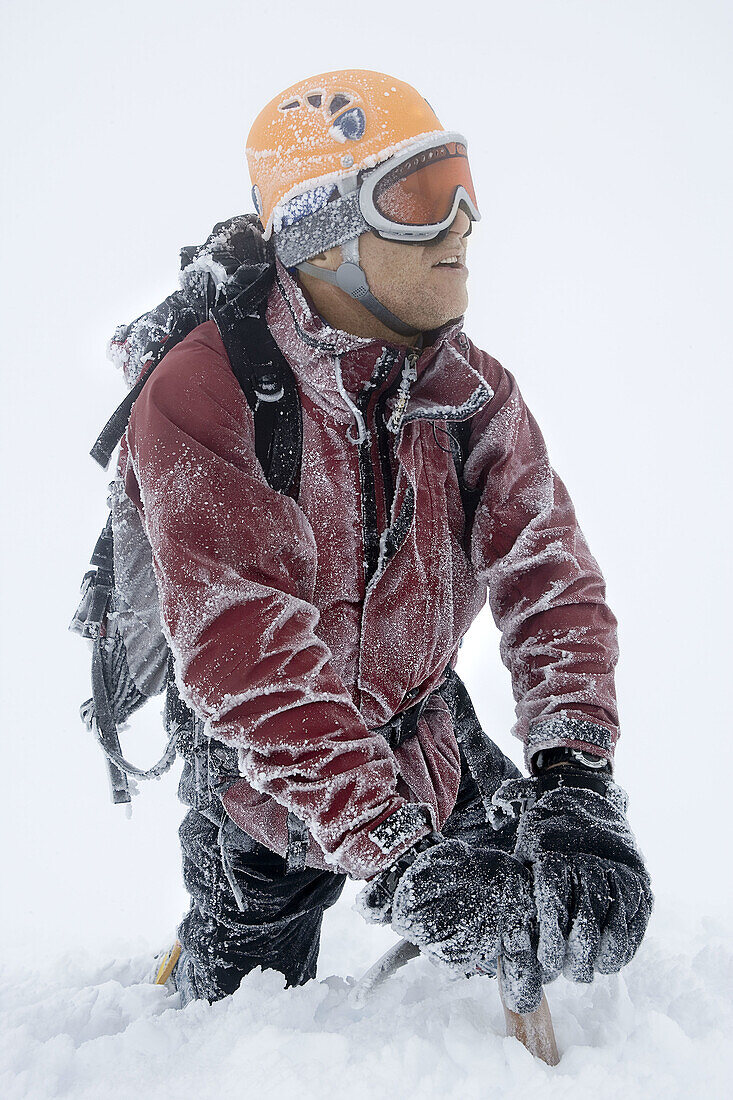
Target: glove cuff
514 796
569 775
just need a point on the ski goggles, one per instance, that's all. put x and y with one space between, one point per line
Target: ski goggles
415 195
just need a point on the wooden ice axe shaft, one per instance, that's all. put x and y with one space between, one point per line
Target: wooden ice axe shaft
533 1030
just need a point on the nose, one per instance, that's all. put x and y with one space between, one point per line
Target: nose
461 224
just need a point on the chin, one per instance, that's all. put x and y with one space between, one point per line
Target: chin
426 307
436 318
447 308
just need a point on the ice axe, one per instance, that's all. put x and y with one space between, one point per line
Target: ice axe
534 1030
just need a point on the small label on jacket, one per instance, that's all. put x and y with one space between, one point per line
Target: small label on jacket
398 827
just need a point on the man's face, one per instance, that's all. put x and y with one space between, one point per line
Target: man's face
411 281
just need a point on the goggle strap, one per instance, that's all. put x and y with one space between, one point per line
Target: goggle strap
338 221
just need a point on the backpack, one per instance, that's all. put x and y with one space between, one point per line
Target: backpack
227 280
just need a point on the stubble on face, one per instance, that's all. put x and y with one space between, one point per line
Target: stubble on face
410 281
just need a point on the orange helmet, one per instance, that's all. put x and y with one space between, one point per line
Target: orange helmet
329 127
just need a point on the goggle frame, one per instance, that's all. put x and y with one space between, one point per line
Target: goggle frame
413 234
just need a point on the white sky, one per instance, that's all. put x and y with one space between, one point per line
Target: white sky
600 137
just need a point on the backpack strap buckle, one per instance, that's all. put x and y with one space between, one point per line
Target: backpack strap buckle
268 387
96 587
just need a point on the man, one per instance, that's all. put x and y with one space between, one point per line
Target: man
315 632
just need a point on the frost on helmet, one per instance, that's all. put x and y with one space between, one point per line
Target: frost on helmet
326 128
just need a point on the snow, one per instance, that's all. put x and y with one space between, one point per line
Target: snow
89 1026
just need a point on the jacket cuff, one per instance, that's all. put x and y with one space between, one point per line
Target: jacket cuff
371 850
564 731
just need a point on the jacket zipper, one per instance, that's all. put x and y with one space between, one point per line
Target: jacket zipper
409 375
369 516
386 438
384 367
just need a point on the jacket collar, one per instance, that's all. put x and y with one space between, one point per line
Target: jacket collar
448 387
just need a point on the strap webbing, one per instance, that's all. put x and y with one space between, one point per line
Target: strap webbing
104 719
267 382
107 727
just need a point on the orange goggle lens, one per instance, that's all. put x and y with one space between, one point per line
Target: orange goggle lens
421 190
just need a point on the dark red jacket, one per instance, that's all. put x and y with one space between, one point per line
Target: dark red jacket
279 641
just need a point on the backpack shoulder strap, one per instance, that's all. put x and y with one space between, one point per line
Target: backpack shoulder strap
267 381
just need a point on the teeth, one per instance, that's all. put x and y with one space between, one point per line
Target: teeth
450 260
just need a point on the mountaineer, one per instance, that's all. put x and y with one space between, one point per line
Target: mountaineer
314 620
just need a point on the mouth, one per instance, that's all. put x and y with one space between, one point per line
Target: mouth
451 263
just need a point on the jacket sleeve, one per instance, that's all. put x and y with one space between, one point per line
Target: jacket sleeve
235 563
546 591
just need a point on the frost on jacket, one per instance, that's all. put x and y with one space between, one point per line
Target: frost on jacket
279 642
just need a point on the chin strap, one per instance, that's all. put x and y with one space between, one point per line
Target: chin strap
350 277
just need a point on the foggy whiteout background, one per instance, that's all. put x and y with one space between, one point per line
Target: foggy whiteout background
600 275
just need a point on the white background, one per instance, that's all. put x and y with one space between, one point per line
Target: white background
600 276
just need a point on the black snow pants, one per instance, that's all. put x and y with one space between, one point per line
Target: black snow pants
251 907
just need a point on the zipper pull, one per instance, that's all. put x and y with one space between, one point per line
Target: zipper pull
409 375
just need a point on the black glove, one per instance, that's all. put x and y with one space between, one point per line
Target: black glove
463 907
591 888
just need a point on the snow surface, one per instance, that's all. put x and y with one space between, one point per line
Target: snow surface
91 1027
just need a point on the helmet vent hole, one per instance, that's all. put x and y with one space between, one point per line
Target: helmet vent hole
290 105
350 125
338 103
315 99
